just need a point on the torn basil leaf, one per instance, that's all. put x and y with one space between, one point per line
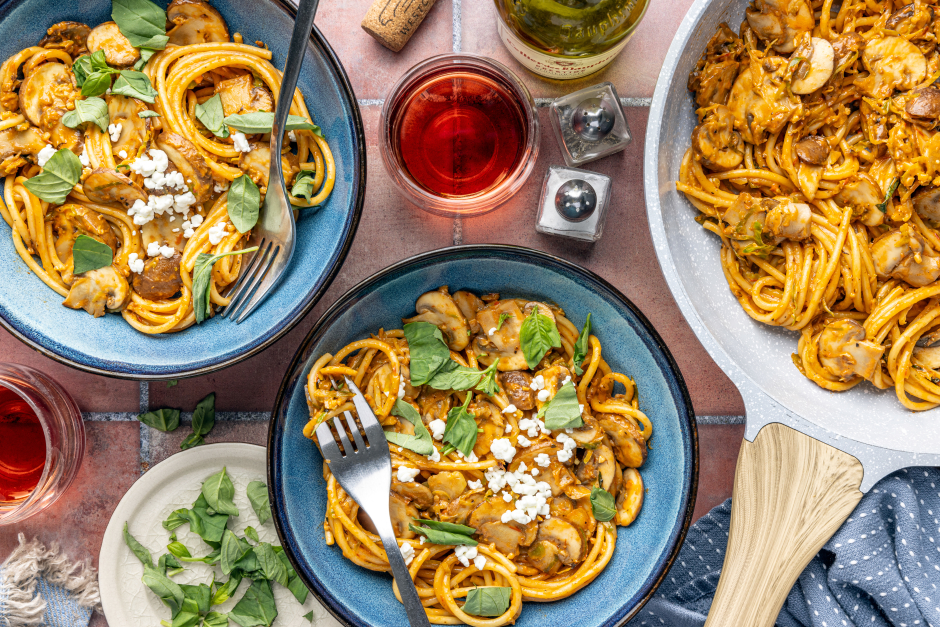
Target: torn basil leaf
259 122
165 420
420 442
446 526
94 110
90 254
602 504
137 548
563 411
211 115
202 283
60 174
487 601
461 429
142 22
428 351
260 500
257 607
219 492
134 85
443 537
581 346
537 336
244 203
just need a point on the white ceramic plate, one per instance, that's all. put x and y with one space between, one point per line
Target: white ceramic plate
173 484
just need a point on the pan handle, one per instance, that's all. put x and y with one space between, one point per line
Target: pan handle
791 494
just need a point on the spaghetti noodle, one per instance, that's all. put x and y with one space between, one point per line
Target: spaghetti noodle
157 160
815 162
538 480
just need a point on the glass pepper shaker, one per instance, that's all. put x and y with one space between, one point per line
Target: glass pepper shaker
589 124
573 203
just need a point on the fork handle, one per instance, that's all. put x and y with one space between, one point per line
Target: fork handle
417 617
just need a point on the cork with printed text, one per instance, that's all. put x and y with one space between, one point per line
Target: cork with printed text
393 22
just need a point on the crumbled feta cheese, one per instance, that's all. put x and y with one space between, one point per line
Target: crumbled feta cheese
532 427
435 456
408 552
437 427
241 142
167 251
491 331
292 136
146 166
219 188
196 220
189 232
535 472
543 395
473 457
465 553
480 562
135 263
523 441
401 388
406 474
564 456
83 158
538 383
44 155
543 460
114 130
508 428
217 233
122 154
507 497
510 409
503 449
422 540
176 230
474 485
153 249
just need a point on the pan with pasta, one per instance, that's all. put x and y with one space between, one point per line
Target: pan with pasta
815 161
515 451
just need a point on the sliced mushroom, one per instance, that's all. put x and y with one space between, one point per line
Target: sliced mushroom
71 220
813 150
468 303
780 22
928 357
438 308
161 231
860 191
72 37
564 536
14 144
792 220
97 291
716 141
416 493
503 345
844 46
545 556
816 67
195 22
717 68
926 202
516 385
136 131
490 514
627 440
844 351
755 111
597 463
903 254
911 18
892 63
447 485
544 309
504 537
589 434
583 520
257 164
48 86
459 510
402 514
109 186
924 103
118 51
743 216
241 95
630 499
192 165
160 279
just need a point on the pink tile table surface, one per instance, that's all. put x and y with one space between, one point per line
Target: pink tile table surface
119 449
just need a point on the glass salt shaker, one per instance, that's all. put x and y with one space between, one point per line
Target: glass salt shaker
573 203
589 124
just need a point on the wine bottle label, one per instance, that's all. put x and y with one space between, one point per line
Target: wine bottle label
552 66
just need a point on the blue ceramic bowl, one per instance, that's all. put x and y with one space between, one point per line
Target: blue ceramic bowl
645 550
108 345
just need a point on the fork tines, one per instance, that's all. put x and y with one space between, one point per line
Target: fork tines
328 441
243 292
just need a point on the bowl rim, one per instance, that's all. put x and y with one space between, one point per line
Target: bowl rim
684 520
136 373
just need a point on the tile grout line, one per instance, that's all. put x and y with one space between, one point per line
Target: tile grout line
144 429
458 26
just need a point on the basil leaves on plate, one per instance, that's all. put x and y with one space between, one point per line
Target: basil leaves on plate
219 492
537 336
142 22
581 346
60 174
93 110
602 504
420 442
260 501
202 274
211 115
90 254
244 203
257 607
563 411
137 548
461 429
487 601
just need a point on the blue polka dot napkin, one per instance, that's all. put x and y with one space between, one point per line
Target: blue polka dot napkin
881 569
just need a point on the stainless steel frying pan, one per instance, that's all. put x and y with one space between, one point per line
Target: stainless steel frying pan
808 454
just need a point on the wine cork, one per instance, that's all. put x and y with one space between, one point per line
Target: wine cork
393 22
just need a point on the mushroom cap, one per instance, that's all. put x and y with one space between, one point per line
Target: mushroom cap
924 103
118 51
813 150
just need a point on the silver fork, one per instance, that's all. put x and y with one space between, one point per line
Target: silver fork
275 233
364 469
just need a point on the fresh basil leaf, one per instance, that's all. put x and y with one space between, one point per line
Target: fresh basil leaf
97 84
443 537
502 318
225 592
178 549
192 440
211 115
202 284
141 21
91 64
168 590
260 501
209 527
446 526
453 376
883 207
262 121
244 203
581 346
204 415
487 601
252 534
219 492
169 565
134 85
309 616
88 110
298 589
148 114
145 55
420 442
165 420
187 617
200 594
256 607
177 519
58 177
303 185
270 565
602 504
90 254
216 619
137 548
537 336
232 551
563 411
488 384
248 564
461 429
428 351
211 558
